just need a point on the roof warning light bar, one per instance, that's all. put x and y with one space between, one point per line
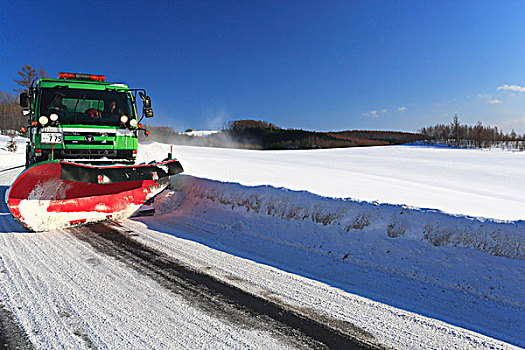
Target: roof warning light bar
82 76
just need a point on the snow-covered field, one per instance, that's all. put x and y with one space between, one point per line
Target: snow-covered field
335 233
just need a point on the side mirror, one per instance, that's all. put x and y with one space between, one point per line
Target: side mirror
25 112
24 100
146 102
148 112
146 105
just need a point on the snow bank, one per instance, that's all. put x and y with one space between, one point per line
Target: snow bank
346 216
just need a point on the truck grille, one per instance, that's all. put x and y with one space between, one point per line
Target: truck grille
88 138
87 133
89 143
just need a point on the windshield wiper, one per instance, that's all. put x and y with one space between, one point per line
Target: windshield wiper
75 111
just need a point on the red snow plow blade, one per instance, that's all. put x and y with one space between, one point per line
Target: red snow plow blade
58 194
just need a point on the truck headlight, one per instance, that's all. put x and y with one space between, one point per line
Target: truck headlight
53 117
43 120
133 122
124 119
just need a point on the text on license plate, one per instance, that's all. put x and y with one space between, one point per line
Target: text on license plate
51 137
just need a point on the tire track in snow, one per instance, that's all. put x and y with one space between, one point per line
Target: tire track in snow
212 295
218 309
11 335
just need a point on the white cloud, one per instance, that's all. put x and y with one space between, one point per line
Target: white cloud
375 113
516 88
371 114
488 98
402 109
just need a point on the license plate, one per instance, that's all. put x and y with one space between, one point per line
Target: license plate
51 137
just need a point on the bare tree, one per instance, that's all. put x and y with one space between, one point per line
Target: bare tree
455 129
478 130
27 76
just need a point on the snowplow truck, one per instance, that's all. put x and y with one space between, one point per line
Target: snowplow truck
81 154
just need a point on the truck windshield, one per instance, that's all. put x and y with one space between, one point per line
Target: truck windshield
90 107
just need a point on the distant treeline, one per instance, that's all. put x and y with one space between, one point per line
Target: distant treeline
258 134
479 135
270 136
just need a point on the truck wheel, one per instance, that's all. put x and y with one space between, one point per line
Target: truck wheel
30 159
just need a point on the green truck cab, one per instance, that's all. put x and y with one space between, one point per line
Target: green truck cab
82 118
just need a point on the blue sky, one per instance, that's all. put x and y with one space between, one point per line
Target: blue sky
317 65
